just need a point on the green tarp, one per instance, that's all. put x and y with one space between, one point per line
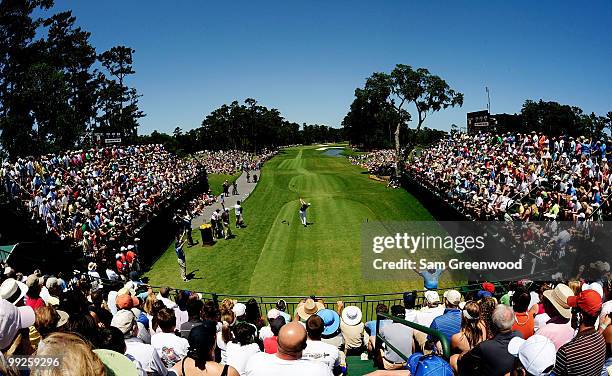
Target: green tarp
5 251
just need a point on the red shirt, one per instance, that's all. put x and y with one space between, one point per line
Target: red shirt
119 264
34 303
270 345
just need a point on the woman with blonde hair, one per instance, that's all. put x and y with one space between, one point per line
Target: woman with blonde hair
148 304
75 357
224 336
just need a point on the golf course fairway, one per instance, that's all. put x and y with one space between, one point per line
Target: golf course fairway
276 255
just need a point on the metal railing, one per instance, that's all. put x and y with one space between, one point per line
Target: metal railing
446 349
365 302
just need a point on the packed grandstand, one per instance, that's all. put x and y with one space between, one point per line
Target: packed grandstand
97 199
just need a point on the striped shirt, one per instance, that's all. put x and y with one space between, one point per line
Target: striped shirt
584 355
449 323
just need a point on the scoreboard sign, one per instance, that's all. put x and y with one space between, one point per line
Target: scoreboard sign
107 138
480 121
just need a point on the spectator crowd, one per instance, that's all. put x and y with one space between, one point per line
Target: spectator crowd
98 198
230 162
380 162
127 328
525 177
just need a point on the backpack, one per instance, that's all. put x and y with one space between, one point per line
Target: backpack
428 365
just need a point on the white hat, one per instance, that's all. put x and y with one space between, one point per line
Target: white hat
595 286
239 309
273 314
13 319
537 354
63 318
12 290
124 320
51 283
351 315
432 296
453 296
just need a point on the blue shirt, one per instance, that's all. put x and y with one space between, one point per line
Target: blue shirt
449 323
370 326
431 279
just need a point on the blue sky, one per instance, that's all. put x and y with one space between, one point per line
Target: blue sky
306 58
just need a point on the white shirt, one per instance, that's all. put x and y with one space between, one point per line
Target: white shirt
170 347
146 355
322 352
263 364
238 356
540 320
427 314
167 302
410 315
112 275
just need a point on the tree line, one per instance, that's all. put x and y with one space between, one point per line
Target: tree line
553 118
247 126
55 88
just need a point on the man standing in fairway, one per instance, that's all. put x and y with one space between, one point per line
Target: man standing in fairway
180 255
303 206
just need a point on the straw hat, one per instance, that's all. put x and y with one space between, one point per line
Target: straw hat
308 308
558 298
13 290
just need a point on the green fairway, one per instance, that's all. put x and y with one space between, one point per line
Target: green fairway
215 181
276 255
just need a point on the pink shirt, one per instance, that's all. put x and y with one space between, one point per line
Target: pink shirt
559 334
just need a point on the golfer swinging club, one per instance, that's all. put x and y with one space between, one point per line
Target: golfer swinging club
303 206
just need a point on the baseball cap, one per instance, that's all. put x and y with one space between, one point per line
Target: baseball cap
432 296
595 286
488 286
453 296
126 301
587 301
273 313
13 319
537 354
239 309
124 320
